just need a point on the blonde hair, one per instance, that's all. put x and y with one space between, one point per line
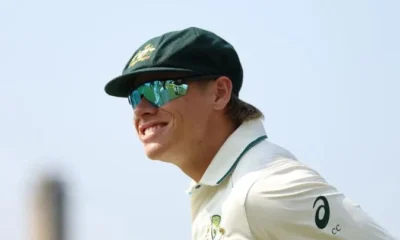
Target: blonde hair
239 111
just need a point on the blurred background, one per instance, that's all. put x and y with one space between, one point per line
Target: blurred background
325 73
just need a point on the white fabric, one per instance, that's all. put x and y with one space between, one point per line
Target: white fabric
270 196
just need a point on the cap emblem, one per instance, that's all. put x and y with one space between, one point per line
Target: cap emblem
142 55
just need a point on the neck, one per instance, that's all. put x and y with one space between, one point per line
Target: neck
198 158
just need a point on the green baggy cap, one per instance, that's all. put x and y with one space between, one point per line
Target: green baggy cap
191 51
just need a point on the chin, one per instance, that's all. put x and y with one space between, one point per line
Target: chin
155 151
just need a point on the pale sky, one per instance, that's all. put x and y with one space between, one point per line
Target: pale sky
325 73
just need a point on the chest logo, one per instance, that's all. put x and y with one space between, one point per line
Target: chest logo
215 231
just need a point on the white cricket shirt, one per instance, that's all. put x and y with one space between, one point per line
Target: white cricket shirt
256 190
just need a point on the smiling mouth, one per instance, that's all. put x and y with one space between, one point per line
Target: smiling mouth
153 129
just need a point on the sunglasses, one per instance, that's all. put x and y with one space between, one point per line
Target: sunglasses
160 92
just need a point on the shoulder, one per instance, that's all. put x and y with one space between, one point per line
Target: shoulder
261 157
287 199
265 167
284 187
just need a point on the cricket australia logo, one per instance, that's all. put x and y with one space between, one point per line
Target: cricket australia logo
214 230
142 55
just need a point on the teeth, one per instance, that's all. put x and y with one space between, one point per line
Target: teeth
152 129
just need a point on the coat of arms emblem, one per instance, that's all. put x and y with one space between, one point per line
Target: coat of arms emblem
215 231
142 55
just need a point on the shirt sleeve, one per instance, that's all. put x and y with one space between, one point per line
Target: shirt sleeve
295 202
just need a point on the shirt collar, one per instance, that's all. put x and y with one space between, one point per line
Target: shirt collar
247 135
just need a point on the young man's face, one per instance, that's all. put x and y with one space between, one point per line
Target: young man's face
179 125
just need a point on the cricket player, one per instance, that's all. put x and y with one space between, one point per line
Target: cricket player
183 87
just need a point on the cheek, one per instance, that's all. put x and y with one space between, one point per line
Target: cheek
189 116
196 118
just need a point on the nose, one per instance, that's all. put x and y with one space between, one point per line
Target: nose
144 108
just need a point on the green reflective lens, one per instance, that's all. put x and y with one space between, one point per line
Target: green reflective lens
158 92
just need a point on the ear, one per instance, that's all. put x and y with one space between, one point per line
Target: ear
222 92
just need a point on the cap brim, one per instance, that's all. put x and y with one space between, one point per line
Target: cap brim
122 85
